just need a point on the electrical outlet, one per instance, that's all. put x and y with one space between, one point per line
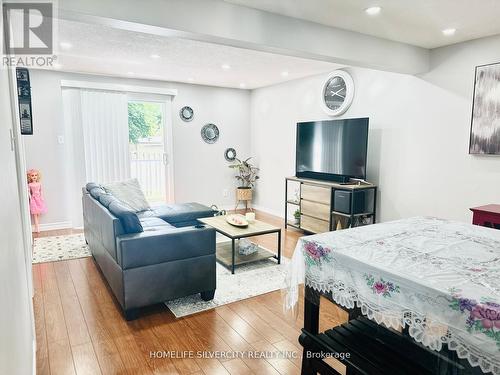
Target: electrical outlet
60 139
225 193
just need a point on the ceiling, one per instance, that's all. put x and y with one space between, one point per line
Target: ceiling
416 22
104 50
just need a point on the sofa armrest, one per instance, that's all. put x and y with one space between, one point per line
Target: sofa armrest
164 245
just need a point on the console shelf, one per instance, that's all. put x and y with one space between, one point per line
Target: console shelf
326 206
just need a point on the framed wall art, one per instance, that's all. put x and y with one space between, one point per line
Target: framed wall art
24 100
485 124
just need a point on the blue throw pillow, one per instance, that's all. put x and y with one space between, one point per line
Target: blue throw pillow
96 192
106 199
127 216
91 185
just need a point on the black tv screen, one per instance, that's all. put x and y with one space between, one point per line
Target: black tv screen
333 149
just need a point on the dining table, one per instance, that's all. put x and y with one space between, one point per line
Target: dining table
436 279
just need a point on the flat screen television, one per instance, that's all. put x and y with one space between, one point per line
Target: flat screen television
332 150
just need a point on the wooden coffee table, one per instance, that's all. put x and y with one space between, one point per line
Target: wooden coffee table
227 254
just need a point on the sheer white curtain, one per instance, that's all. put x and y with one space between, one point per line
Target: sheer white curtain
104 119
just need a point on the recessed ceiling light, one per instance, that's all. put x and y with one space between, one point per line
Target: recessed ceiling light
225 66
130 73
190 79
449 32
155 56
284 74
65 45
373 11
242 85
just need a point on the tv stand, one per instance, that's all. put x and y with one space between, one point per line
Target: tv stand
316 203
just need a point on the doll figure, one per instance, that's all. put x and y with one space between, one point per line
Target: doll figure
37 203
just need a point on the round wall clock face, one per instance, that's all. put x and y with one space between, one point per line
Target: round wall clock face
337 93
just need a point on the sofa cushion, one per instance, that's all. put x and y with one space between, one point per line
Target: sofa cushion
128 218
107 199
97 192
91 185
179 213
154 223
130 193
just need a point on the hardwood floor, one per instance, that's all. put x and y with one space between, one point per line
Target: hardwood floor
80 328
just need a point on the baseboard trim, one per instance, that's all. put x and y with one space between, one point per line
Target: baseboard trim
55 226
34 353
258 208
266 210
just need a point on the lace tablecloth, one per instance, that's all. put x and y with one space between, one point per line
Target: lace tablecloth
441 278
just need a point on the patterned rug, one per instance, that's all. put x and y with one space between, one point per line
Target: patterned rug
249 280
53 249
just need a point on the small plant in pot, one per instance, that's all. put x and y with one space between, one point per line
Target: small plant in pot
246 176
296 215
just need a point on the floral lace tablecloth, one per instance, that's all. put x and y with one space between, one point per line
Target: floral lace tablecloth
441 278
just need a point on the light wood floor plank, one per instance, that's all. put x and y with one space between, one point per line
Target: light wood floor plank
214 322
260 325
85 360
237 367
131 356
283 365
61 358
160 324
244 329
108 357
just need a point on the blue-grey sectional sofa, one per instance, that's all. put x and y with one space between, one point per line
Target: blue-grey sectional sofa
152 256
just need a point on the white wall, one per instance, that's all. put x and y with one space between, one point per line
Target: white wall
200 170
419 134
16 313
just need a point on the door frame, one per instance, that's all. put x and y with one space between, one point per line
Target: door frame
166 101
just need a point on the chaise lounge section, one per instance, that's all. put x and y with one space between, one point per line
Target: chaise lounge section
151 256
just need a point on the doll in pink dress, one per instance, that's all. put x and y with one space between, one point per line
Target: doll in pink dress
37 203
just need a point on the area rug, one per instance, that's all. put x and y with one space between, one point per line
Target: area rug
249 280
55 248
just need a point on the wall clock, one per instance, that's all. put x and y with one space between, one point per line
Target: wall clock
186 113
210 133
337 93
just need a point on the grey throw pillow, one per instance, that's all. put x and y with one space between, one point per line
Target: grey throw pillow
130 193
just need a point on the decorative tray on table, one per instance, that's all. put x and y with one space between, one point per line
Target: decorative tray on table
237 220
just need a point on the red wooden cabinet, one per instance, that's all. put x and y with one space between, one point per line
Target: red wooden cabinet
486 216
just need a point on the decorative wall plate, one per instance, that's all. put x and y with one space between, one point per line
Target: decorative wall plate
210 133
230 154
186 113
337 93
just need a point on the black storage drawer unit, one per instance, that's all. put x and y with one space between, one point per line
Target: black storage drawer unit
353 202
